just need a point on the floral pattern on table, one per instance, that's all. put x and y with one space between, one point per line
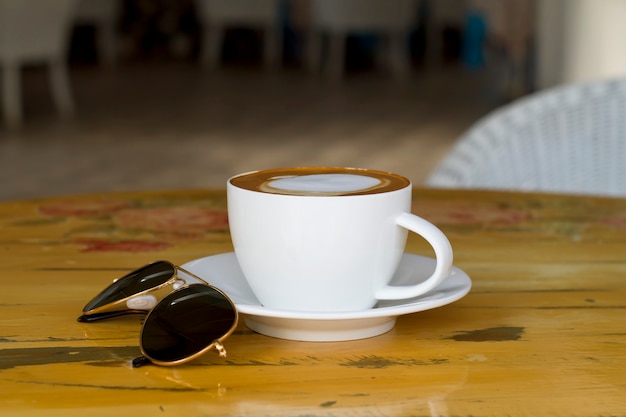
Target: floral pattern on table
98 245
154 221
190 221
116 224
558 216
462 213
83 208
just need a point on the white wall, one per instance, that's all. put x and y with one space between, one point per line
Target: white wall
580 40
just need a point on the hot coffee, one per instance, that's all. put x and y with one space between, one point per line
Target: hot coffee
303 245
321 181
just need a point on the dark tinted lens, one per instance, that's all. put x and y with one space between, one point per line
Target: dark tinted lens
186 322
142 279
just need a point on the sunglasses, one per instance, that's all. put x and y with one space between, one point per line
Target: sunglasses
186 316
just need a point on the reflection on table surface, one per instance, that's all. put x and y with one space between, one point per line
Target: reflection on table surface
542 331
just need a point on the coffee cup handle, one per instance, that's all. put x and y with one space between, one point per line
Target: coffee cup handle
443 253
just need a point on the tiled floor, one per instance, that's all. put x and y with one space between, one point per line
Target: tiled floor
176 125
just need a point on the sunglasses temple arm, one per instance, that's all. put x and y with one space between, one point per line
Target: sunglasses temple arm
89 318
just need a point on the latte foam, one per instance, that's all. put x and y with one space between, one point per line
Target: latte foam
320 181
323 183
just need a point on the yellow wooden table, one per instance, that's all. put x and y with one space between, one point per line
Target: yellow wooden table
542 333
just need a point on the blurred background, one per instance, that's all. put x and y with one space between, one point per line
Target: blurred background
112 95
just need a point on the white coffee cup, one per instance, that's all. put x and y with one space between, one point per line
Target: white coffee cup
327 239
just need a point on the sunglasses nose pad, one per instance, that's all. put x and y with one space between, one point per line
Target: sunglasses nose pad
142 302
178 283
221 350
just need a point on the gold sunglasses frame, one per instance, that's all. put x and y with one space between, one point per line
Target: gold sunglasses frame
163 291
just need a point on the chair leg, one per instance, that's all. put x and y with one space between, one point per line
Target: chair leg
399 55
335 65
106 40
211 47
272 47
382 52
61 92
11 96
434 44
313 50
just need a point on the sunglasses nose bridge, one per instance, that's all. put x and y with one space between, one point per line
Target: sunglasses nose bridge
219 347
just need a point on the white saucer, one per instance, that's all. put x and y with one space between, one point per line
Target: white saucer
223 272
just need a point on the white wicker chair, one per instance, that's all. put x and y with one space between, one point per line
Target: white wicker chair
35 32
339 18
569 139
217 15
